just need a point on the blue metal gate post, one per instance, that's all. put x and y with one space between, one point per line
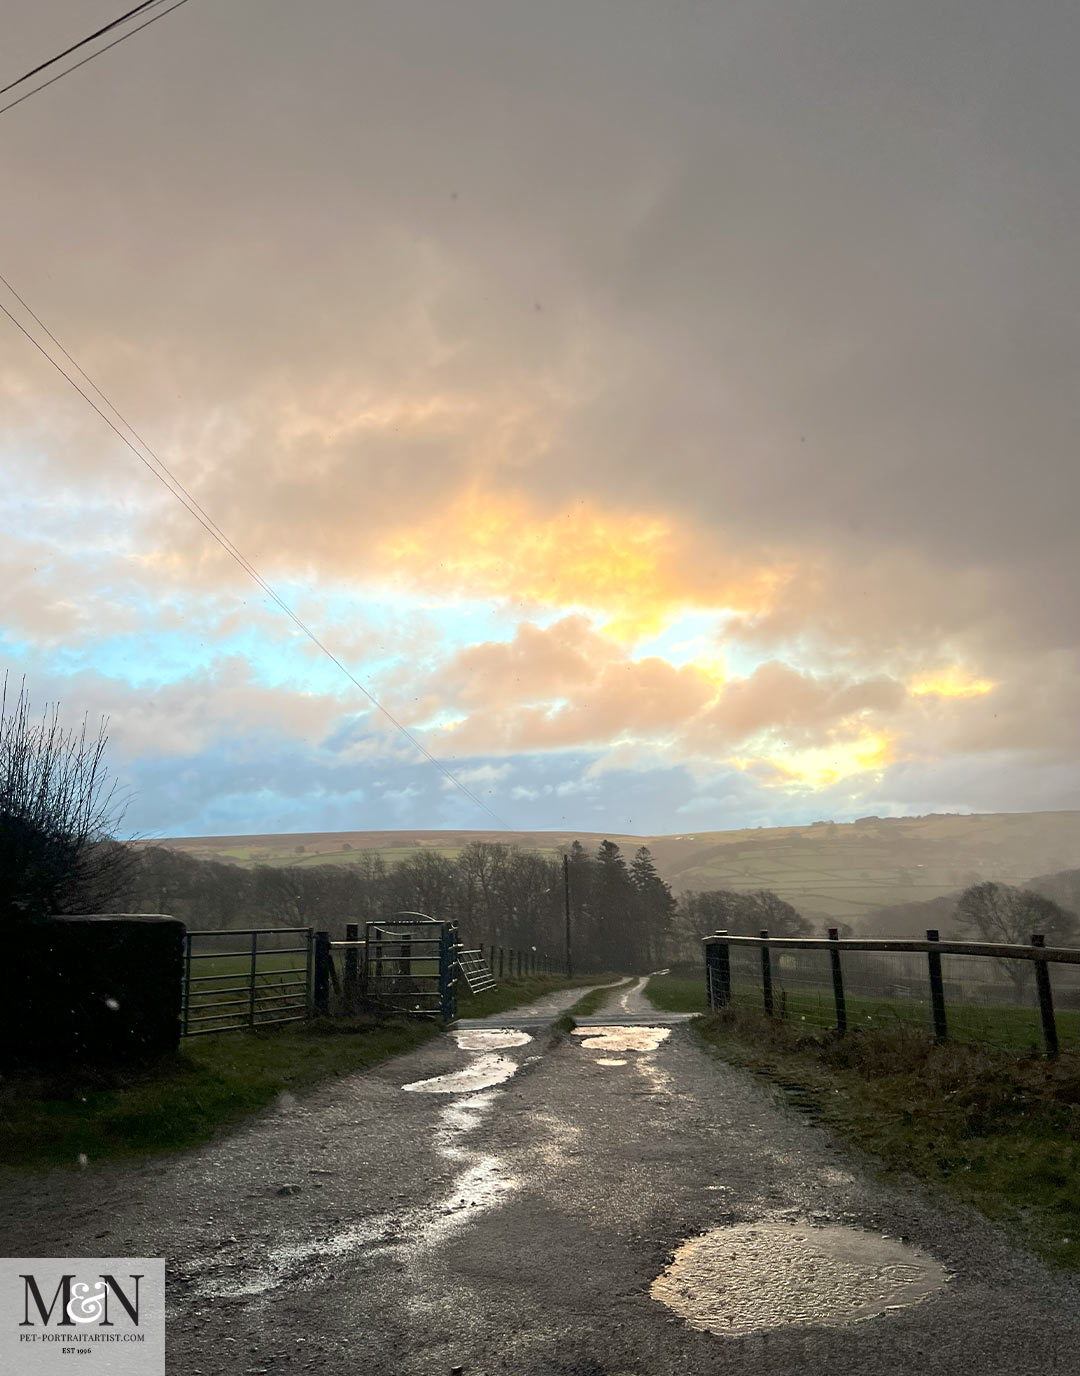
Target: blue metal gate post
447 950
251 978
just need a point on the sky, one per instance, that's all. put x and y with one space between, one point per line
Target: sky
667 412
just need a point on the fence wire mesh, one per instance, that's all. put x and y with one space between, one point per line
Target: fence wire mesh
802 987
1065 984
992 1002
746 978
887 991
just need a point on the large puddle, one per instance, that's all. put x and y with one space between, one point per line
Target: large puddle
487 1070
758 1276
489 1038
604 1039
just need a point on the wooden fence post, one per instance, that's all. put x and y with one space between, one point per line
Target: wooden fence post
838 983
322 974
1046 1000
352 967
937 990
766 973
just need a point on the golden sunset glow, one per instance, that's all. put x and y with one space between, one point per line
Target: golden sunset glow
822 766
950 683
635 572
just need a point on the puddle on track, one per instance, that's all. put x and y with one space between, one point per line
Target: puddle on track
622 1038
758 1276
481 1184
489 1038
486 1070
608 1060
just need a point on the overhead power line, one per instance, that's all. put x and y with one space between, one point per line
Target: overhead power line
146 5
42 66
175 487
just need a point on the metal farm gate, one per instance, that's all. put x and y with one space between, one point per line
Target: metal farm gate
409 963
258 977
252 977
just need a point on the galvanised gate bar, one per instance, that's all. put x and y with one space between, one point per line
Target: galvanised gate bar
249 977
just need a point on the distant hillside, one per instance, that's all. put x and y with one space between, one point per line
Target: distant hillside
829 869
1063 888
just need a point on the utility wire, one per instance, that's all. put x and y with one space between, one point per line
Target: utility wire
167 478
146 5
76 65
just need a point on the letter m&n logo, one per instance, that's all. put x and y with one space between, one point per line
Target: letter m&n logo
57 1314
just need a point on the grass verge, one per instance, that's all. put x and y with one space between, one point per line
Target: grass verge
993 1129
680 991
595 999
184 1100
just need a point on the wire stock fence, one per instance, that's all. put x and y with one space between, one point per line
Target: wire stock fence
1007 997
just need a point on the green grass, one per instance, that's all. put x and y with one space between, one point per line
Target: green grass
184 1100
595 999
996 1130
678 992
1007 1029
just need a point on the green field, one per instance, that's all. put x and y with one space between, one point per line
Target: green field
810 1010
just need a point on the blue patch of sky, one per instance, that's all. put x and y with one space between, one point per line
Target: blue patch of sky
700 635
278 654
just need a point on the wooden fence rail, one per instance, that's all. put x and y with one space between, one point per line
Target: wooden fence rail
720 947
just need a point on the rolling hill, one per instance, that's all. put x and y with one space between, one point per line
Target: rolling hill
834 869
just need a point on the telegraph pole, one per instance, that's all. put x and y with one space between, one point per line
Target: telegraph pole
566 904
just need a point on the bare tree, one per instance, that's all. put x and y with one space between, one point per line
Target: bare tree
59 810
1000 912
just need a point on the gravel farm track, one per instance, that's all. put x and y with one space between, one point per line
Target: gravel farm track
515 1229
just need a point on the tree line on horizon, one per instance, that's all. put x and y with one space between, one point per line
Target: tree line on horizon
623 914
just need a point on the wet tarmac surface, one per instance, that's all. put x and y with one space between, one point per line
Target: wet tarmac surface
580 1218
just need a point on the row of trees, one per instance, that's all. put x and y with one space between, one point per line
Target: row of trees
622 914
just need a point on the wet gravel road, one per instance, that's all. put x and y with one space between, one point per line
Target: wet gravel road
518 1228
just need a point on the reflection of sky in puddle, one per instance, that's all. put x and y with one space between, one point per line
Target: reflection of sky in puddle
482 1073
608 1060
622 1038
752 1277
489 1038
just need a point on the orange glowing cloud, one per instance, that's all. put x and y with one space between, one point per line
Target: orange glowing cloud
822 766
950 683
635 572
